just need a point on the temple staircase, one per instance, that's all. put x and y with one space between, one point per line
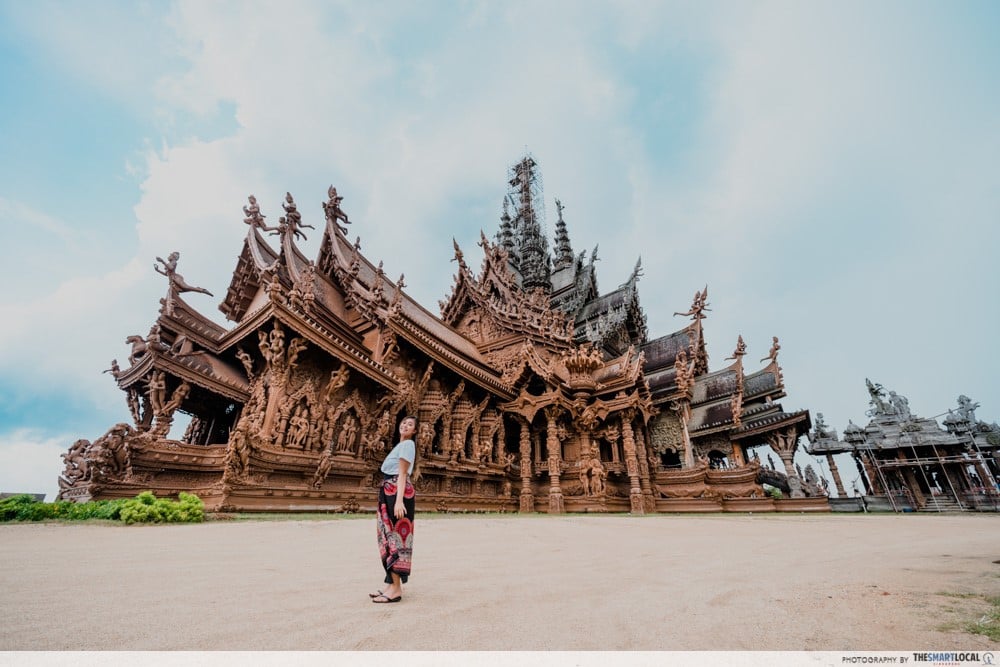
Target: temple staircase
942 503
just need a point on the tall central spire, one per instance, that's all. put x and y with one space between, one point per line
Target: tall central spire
526 192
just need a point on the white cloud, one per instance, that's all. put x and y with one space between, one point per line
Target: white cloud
118 49
69 336
31 463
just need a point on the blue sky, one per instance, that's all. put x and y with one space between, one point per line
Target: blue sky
829 169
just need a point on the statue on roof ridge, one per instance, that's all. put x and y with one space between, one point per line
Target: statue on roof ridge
333 210
877 394
291 222
967 409
115 369
773 353
900 405
699 305
254 217
176 280
741 349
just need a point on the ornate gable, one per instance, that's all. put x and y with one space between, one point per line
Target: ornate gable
493 309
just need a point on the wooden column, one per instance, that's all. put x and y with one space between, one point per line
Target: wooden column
785 443
556 505
632 464
794 484
836 476
527 503
684 416
872 473
646 472
738 459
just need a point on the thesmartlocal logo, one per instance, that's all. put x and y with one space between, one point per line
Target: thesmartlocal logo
954 658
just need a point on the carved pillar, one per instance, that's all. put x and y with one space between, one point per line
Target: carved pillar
162 424
836 476
685 416
556 505
794 483
632 464
527 498
646 473
585 446
275 395
738 459
985 478
911 483
875 485
785 443
147 414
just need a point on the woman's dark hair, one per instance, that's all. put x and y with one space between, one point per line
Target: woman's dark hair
415 470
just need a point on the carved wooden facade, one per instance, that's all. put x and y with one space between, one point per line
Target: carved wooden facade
534 392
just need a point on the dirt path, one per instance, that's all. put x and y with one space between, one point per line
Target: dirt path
774 582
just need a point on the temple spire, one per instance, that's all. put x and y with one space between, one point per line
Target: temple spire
535 262
564 251
505 237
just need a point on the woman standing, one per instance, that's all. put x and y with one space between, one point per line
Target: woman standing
396 507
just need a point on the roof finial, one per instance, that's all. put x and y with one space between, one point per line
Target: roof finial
699 306
333 210
291 222
773 354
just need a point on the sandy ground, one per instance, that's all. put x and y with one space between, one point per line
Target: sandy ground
720 582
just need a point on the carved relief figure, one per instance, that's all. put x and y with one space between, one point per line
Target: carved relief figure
180 393
592 477
345 441
298 428
247 362
323 469
157 390
77 468
238 452
133 405
425 438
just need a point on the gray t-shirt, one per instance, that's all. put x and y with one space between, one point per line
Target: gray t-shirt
405 450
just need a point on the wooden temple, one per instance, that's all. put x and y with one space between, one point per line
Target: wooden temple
534 391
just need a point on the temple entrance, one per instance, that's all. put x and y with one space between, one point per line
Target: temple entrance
717 460
671 458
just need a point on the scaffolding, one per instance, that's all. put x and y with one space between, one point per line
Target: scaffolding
940 461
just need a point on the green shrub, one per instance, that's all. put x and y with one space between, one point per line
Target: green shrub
18 508
144 508
147 508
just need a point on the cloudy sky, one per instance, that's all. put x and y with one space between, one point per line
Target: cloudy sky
831 170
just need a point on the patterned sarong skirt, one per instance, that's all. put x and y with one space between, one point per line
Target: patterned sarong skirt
395 536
